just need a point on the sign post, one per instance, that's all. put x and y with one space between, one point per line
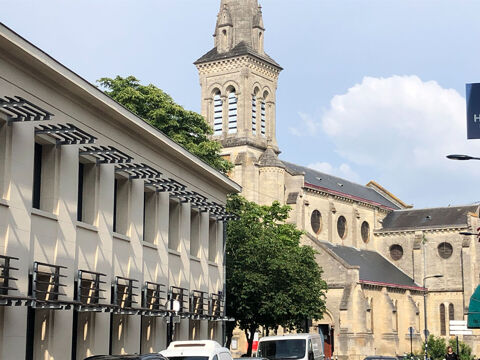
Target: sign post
473 111
459 327
410 331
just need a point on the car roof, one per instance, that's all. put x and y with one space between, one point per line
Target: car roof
289 337
193 348
127 357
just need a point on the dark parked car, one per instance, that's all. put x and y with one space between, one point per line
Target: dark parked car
380 357
128 357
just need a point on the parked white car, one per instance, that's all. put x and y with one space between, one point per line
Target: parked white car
196 350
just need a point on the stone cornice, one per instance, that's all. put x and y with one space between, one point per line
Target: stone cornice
346 198
439 229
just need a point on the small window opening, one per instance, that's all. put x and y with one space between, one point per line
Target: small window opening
212 241
43 177
149 215
174 225
195 233
87 174
120 204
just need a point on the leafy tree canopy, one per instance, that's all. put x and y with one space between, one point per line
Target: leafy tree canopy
437 348
186 128
271 279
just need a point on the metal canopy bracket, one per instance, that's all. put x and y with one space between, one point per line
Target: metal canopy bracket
18 109
124 296
89 292
106 154
66 134
139 171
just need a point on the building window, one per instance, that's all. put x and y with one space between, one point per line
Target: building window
451 312
217 114
254 114
87 177
3 158
149 215
43 177
445 250
342 227
120 205
174 225
232 112
195 233
396 252
263 116
443 326
316 221
212 241
365 232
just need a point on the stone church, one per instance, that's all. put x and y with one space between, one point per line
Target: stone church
381 258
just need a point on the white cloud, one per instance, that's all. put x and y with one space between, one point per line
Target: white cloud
343 171
402 127
307 126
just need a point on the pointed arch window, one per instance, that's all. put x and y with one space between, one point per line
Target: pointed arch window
217 113
443 327
232 112
254 114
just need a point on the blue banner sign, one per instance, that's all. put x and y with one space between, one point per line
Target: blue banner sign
473 111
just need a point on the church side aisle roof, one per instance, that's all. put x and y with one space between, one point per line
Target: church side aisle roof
374 268
241 49
428 218
318 180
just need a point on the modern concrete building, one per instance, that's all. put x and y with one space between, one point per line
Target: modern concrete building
103 219
375 251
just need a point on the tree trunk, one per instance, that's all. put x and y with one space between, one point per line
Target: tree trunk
250 336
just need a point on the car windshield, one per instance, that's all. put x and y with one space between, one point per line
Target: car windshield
188 357
282 349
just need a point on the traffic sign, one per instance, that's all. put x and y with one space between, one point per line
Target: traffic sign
459 327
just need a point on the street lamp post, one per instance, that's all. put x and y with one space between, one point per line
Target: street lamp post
425 309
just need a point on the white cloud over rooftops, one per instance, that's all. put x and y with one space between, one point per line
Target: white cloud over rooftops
400 128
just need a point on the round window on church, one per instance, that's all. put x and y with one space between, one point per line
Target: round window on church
396 252
342 227
316 221
365 231
445 250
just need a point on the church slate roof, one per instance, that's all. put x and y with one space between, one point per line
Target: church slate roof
319 180
374 268
241 49
428 218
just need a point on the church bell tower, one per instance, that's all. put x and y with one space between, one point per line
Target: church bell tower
239 82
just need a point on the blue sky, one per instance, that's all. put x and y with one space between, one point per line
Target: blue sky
372 90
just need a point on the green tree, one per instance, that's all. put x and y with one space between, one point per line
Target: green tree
437 348
271 279
186 128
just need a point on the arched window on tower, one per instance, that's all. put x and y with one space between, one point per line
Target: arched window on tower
263 115
217 114
443 327
254 112
232 111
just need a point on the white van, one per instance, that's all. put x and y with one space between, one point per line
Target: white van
196 350
291 346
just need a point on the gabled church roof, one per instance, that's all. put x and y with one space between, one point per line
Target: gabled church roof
321 181
241 49
374 268
428 218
